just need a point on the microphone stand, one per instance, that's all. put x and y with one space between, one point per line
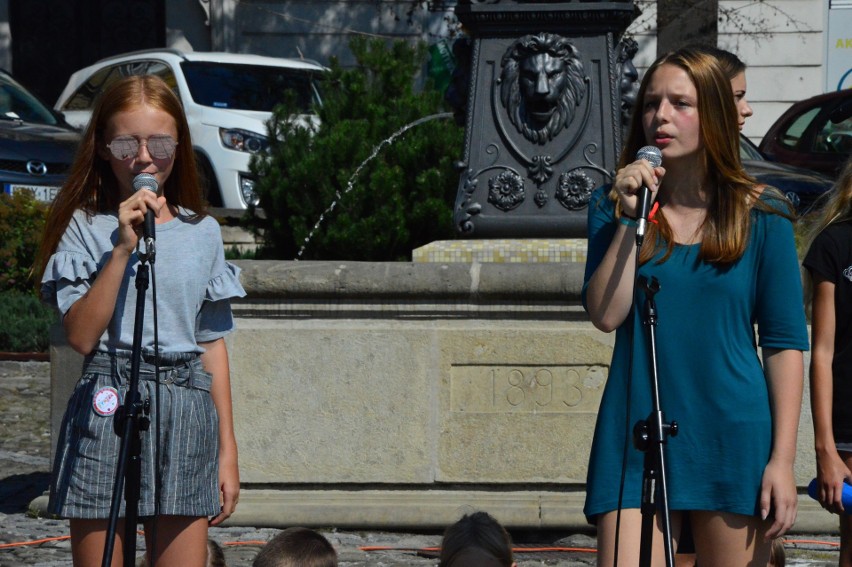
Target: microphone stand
130 420
649 436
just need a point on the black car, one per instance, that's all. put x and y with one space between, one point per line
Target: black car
801 186
37 146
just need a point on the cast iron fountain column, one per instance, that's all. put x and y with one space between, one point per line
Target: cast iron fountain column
543 118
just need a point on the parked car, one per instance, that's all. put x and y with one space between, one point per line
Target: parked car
227 97
37 146
803 187
815 133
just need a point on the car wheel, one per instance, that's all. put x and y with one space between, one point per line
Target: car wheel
207 179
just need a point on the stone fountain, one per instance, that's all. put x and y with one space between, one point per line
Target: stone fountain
401 395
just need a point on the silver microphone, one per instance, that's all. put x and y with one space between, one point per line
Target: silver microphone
652 155
149 182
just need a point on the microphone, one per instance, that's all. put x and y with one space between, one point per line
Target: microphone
652 155
149 182
845 498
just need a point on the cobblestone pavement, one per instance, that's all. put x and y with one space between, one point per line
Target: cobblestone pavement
24 475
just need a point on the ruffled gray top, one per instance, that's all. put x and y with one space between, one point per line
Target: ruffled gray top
194 282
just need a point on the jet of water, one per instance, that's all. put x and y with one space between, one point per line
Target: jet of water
351 183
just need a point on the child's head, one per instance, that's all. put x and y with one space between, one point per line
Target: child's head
717 114
734 69
476 539
777 557
93 174
297 547
215 555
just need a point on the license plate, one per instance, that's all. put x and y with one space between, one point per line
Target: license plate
42 193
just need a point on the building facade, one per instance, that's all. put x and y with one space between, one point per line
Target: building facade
794 48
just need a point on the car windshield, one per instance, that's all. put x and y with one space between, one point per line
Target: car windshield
748 150
247 87
16 103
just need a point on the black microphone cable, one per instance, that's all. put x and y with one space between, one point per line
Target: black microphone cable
158 476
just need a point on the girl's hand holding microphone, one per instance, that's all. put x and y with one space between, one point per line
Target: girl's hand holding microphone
629 181
131 217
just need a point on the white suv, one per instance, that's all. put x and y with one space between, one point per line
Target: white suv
227 97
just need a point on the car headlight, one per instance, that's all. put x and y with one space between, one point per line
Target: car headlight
243 140
250 196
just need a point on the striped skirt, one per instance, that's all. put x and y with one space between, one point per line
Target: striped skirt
87 452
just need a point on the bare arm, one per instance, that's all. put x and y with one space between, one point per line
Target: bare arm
610 290
785 379
215 360
88 318
831 470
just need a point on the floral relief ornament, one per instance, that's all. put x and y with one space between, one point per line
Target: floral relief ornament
575 190
506 190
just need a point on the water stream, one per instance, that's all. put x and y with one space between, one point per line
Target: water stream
351 183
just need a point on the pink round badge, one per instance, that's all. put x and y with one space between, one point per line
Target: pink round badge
105 401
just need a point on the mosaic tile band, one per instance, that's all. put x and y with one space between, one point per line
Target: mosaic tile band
536 250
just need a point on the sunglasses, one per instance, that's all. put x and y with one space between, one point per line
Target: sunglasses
159 147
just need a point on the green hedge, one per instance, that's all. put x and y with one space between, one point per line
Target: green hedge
22 221
24 322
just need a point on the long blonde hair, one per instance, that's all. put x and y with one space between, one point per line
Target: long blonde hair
733 193
835 206
91 184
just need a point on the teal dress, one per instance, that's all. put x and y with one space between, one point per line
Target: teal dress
711 380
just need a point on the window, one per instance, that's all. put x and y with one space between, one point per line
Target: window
791 136
18 104
84 98
835 138
247 87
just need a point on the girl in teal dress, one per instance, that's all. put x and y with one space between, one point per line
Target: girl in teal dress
722 249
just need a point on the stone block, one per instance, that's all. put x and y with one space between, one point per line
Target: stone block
333 402
519 402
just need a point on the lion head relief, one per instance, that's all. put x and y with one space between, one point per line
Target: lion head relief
541 85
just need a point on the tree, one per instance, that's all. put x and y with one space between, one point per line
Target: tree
414 10
320 182
680 22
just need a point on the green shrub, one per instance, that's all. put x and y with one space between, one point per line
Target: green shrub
21 224
400 200
234 253
24 322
